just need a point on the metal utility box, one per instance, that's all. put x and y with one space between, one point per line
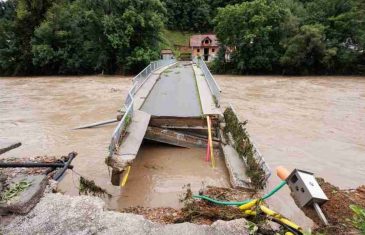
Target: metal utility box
305 188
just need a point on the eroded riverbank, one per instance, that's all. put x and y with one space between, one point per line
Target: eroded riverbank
311 123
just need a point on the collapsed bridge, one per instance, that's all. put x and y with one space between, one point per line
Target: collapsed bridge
169 103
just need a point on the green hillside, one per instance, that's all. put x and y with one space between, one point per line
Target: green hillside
171 38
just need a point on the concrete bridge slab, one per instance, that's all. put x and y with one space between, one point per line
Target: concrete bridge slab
175 93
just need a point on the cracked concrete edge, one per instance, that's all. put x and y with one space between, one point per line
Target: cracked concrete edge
62 214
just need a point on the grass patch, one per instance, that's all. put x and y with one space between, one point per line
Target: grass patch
359 218
171 38
14 191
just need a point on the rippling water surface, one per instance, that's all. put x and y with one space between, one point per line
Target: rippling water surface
41 113
312 123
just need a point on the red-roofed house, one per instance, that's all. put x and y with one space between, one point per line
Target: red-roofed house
204 45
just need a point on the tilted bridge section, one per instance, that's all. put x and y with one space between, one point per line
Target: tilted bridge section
168 103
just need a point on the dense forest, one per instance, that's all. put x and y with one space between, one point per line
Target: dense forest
122 36
292 37
79 36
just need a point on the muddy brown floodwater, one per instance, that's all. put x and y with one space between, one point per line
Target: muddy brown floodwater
41 112
312 123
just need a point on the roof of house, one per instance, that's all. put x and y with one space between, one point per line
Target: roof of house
196 40
166 51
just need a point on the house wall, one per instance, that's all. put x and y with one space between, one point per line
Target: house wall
167 56
212 54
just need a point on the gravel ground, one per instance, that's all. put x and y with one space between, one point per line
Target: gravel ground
61 214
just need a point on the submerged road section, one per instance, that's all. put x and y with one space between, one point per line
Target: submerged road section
175 93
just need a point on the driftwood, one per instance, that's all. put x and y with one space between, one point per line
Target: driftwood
7 146
97 124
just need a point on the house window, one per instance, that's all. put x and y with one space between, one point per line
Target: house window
206 41
213 50
198 50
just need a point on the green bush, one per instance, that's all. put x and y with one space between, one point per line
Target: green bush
359 218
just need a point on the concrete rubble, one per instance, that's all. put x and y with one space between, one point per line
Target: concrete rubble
28 198
62 214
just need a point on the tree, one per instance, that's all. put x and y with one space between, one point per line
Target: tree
188 15
90 36
305 36
306 51
7 9
254 31
69 41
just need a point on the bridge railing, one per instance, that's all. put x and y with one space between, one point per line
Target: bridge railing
213 85
138 81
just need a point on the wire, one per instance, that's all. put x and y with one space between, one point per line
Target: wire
232 203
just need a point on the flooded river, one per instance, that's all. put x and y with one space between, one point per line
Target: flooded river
312 123
41 112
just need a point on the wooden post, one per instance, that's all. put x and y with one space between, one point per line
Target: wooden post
125 178
210 142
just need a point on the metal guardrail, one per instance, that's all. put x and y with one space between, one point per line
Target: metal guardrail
213 85
138 81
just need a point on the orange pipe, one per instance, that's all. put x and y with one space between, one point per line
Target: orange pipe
282 172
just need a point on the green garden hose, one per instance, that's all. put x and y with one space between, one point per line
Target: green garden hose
266 196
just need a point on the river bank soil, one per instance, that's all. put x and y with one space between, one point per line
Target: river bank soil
337 209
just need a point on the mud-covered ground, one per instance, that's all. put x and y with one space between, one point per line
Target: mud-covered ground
337 209
198 211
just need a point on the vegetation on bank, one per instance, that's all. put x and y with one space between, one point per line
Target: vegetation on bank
194 15
79 36
123 36
172 39
244 148
292 37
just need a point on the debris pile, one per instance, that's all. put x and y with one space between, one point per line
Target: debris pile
197 211
13 172
88 187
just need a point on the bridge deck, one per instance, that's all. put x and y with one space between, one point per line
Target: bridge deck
206 98
175 93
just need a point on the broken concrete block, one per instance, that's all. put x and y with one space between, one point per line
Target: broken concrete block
236 168
28 198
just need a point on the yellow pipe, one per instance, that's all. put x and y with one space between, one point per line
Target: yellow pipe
125 178
279 217
210 142
248 205
250 212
